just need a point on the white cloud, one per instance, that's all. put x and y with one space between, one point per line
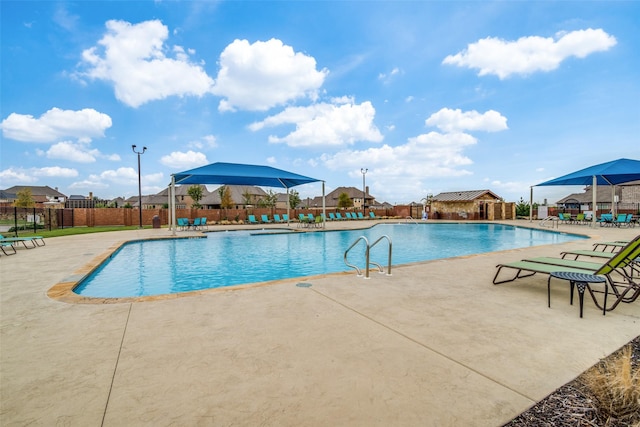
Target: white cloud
13 176
529 54
9 177
271 160
325 125
132 58
387 78
55 171
72 152
262 75
188 160
449 120
126 176
56 124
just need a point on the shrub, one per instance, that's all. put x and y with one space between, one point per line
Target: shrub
616 385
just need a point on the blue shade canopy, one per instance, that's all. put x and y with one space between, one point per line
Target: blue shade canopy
610 173
239 174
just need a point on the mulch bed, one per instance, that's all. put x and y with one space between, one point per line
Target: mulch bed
573 405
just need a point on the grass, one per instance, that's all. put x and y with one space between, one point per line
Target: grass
73 230
615 383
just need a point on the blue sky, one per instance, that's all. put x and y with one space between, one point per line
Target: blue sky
429 96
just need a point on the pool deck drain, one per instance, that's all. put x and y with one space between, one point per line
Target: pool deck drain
435 344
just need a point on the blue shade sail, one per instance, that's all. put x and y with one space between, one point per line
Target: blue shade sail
239 174
610 173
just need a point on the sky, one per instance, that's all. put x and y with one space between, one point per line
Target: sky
425 96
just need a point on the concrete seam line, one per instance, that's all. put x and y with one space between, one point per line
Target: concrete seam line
423 345
115 368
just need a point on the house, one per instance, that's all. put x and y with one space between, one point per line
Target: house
475 204
627 196
242 196
183 199
354 194
41 195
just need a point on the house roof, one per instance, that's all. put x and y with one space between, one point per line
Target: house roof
603 195
183 190
237 194
464 196
36 190
352 192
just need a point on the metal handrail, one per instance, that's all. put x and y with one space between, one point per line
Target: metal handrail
389 259
367 258
366 242
410 218
550 219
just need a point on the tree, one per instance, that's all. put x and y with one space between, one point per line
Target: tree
271 199
195 192
344 201
25 199
294 199
226 201
247 197
522 208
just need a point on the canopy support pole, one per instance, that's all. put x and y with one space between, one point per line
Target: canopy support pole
531 204
172 204
594 190
324 209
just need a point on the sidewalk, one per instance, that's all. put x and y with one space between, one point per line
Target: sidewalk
435 344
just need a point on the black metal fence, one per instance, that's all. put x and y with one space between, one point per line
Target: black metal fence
15 220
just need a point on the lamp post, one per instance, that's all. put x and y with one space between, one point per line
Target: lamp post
133 147
364 194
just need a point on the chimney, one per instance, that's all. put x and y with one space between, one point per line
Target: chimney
90 195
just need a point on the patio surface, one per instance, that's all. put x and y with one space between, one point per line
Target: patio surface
435 344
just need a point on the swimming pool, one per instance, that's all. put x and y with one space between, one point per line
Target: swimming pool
154 267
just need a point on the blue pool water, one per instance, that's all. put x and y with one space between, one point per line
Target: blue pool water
222 259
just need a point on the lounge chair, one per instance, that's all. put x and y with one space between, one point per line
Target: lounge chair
311 218
360 215
203 223
348 214
196 224
373 215
332 216
183 223
31 239
625 290
605 219
285 218
276 218
565 217
339 216
265 219
579 218
4 245
252 219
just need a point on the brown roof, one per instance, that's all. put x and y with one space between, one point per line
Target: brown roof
464 196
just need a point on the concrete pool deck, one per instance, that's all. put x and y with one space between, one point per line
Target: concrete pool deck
435 344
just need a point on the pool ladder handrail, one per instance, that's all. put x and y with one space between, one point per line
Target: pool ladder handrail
553 220
367 258
411 219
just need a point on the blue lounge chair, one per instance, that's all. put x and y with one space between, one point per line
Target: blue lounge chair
4 245
31 239
339 216
332 216
252 219
373 215
360 215
285 218
196 224
265 219
276 218
348 215
605 219
183 223
203 223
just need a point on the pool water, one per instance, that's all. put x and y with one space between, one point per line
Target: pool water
154 267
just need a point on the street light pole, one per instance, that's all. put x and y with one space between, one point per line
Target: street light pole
364 193
133 147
